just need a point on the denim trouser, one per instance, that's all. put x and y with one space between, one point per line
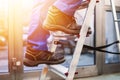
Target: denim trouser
37 36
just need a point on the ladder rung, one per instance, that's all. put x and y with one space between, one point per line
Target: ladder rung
60 70
118 20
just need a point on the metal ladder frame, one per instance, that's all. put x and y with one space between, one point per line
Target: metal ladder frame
116 20
68 74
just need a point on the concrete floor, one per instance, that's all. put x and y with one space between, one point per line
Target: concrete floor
115 76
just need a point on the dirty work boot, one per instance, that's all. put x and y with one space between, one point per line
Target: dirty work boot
36 57
56 20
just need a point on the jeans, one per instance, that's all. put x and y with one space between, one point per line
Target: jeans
37 36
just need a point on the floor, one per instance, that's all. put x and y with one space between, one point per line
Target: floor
115 76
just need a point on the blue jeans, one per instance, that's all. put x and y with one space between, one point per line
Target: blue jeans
37 36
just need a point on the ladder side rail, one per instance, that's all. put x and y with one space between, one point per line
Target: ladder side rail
81 40
46 67
44 73
115 22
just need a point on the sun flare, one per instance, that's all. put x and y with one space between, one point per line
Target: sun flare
4 11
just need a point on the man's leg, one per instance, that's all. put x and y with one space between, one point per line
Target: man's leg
36 50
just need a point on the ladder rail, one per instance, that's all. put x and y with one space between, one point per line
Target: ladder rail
116 20
44 73
53 68
81 40
46 67
79 45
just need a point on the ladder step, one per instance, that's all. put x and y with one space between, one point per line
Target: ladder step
118 20
60 70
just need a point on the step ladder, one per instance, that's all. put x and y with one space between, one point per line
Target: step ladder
116 20
69 73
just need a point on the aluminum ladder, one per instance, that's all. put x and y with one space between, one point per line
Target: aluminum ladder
69 73
116 20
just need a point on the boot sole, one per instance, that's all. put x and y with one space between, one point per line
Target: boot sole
31 63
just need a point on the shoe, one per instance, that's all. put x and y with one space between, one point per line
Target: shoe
36 57
56 20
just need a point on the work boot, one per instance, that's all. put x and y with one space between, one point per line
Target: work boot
56 20
35 57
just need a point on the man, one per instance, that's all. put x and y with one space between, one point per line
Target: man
54 15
